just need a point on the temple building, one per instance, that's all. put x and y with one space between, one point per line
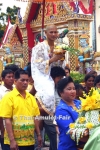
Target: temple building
73 16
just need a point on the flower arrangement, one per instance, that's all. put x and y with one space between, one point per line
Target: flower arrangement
61 48
89 115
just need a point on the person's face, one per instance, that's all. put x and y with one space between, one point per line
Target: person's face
9 79
52 33
90 82
69 92
98 85
67 73
22 82
79 93
57 79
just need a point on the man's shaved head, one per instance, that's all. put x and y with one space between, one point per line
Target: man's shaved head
48 27
51 32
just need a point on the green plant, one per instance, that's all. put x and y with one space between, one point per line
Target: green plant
77 77
46 137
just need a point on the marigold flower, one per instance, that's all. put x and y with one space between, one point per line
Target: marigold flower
81 119
89 125
72 126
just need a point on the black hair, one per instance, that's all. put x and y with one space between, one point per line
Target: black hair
63 83
20 72
12 67
66 68
88 76
79 86
5 72
29 70
97 80
29 63
92 72
57 72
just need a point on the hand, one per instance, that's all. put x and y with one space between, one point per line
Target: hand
13 145
71 132
56 58
39 141
57 130
86 132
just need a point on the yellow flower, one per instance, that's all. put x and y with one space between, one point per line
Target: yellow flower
91 101
75 108
72 125
89 125
99 119
81 119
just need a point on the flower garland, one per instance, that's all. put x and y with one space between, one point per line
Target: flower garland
89 115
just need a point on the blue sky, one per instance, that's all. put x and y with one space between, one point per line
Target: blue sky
11 3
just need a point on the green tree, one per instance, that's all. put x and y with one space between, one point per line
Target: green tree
12 13
2 29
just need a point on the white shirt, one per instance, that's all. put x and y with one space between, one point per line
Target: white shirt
3 91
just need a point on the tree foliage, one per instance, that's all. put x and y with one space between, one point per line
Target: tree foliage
12 13
2 29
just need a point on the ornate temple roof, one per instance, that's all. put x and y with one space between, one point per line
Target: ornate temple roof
9 32
32 10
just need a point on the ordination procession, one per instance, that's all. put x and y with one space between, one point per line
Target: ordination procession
50 77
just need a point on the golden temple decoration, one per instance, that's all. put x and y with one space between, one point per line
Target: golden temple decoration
1 66
12 33
8 45
97 54
27 11
63 16
17 20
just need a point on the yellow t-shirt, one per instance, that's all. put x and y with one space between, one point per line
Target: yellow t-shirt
22 112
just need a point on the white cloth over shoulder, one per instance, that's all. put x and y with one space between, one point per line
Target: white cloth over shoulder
43 82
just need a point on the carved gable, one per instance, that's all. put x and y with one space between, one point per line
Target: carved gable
54 12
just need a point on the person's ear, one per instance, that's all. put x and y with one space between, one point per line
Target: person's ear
2 79
15 80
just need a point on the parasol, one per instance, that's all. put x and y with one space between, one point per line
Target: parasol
90 2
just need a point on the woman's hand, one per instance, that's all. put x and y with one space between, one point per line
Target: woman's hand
57 130
86 132
85 136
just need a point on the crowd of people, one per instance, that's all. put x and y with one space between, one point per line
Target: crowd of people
31 97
